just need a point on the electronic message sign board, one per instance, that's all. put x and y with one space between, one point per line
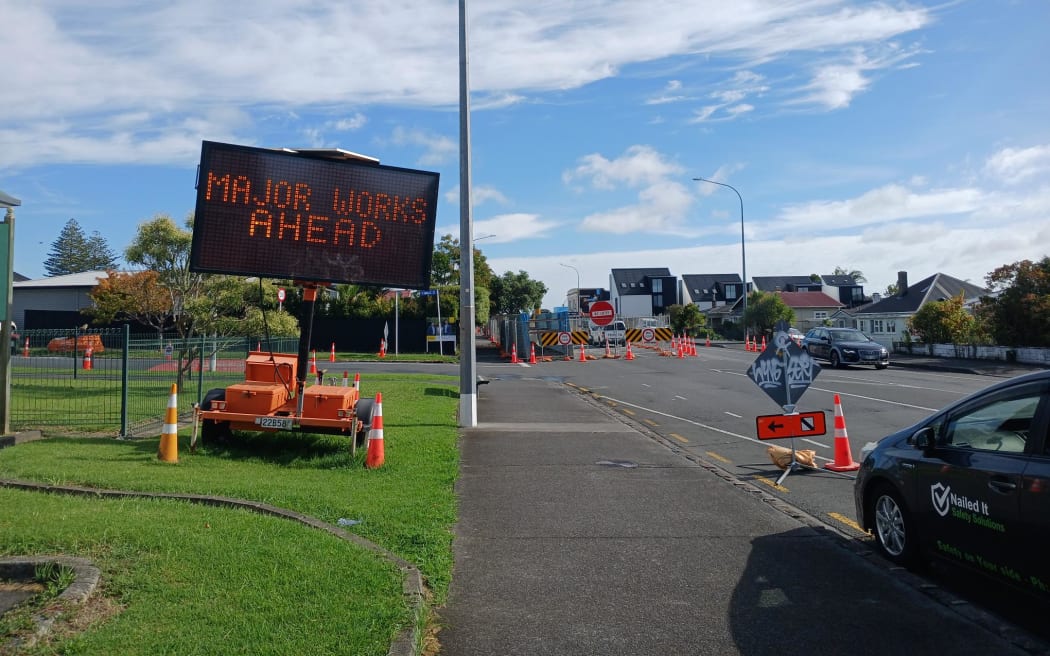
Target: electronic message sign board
282 214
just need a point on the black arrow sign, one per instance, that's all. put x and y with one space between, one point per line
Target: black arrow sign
774 426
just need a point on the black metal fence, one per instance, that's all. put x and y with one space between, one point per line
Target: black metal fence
112 382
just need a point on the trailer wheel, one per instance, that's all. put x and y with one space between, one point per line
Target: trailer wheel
211 430
363 410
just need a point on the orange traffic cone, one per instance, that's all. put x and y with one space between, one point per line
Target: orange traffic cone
375 455
87 358
169 435
25 349
843 458
707 342
532 353
357 382
313 362
763 342
346 379
608 351
630 353
583 353
382 348
514 354
331 358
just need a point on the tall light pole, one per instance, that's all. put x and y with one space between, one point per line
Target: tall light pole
743 257
468 390
569 266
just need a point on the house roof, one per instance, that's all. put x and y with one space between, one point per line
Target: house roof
808 300
629 282
83 279
702 285
839 280
938 287
781 283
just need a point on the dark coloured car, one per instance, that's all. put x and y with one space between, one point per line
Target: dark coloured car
844 346
970 484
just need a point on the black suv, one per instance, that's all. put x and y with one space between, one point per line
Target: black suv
842 346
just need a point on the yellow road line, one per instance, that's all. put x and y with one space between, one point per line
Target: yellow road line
847 521
679 438
719 458
650 422
771 483
628 412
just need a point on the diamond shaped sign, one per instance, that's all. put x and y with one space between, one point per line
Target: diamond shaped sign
783 371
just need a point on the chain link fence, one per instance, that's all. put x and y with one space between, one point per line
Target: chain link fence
111 382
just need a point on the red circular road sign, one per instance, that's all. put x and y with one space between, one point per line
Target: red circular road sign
280 294
602 313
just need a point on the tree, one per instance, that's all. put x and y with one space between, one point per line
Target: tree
72 252
512 293
687 319
135 296
891 289
765 310
945 322
1018 311
444 272
855 274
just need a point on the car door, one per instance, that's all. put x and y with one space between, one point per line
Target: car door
1035 503
821 343
967 488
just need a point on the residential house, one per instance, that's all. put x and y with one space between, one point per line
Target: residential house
811 308
838 286
887 320
717 295
642 292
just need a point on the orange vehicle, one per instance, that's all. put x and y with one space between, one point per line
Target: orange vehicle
274 397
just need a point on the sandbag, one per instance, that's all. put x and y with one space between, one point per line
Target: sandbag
781 457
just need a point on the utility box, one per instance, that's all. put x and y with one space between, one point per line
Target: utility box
266 368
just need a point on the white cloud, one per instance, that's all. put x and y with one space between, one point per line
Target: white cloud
481 193
178 63
438 149
670 94
1014 165
507 228
878 206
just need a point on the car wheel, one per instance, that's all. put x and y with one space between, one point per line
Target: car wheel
835 362
881 366
895 533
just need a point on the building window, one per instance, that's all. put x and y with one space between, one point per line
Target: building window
820 314
876 325
860 326
658 286
730 291
891 326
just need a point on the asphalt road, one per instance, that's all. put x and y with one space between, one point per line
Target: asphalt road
706 407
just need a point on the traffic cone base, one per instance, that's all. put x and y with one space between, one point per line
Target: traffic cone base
376 456
843 458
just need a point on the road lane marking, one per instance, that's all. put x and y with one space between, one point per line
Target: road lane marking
719 458
847 521
733 414
856 396
680 397
679 438
628 411
815 442
650 422
771 483
683 419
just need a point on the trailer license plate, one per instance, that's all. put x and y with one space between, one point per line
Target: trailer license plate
280 423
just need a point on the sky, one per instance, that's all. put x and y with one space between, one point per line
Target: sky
870 136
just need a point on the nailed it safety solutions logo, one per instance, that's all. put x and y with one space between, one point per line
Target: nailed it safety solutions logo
973 511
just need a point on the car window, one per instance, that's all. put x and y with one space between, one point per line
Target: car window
1000 425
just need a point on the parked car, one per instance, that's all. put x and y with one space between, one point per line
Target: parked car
796 335
970 484
615 333
843 346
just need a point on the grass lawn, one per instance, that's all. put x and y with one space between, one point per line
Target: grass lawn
258 584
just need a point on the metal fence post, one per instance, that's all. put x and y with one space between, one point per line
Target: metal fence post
200 370
124 382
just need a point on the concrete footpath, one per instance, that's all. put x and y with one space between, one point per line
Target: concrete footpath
578 534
